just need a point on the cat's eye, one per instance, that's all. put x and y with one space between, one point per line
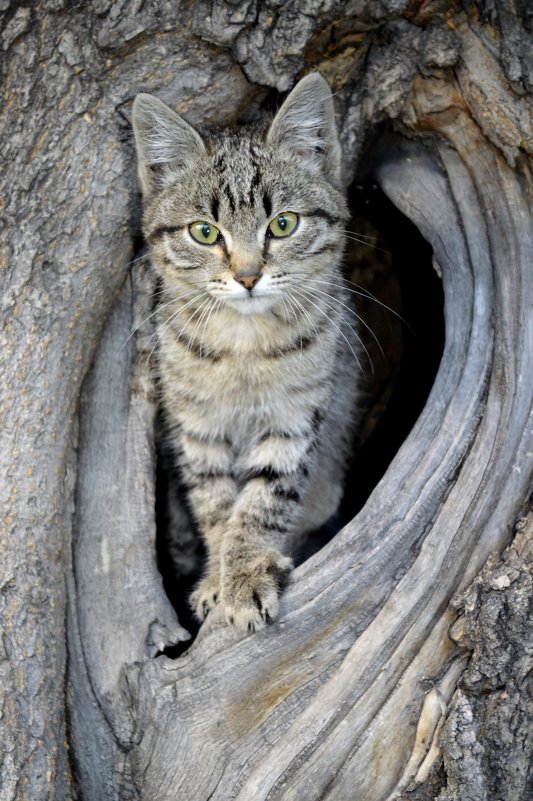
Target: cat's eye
284 224
204 232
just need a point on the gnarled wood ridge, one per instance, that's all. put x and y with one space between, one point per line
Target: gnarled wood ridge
353 692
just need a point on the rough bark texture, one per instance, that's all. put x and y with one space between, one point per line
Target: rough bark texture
358 692
488 737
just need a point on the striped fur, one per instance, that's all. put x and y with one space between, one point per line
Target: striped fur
257 385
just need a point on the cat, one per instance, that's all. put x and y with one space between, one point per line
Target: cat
255 337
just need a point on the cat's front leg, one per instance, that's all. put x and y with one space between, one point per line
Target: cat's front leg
211 500
255 562
206 593
205 463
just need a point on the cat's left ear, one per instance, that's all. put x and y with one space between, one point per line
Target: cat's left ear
305 126
165 142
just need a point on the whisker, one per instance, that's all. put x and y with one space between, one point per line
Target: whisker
352 329
363 236
206 311
200 309
167 322
335 325
363 293
352 311
174 300
164 290
148 358
291 302
215 306
290 311
353 238
162 326
287 313
301 307
139 258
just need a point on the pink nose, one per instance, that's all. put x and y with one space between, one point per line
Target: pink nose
247 281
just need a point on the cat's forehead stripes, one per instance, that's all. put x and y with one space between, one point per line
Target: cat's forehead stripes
267 204
240 172
215 203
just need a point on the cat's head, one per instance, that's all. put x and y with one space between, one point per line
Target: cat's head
243 215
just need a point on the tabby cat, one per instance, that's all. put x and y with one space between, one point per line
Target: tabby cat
246 232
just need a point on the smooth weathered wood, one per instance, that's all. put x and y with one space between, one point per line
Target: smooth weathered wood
327 703
114 564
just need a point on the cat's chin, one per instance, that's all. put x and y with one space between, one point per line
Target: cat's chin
252 304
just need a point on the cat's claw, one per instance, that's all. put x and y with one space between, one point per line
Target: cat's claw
206 596
250 591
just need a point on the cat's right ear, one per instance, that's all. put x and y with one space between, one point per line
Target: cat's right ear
305 127
165 142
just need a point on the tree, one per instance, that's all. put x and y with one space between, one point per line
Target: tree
360 688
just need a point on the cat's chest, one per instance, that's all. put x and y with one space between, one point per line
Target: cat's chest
234 378
237 360
237 397
240 381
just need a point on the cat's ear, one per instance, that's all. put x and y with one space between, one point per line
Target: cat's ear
165 142
305 126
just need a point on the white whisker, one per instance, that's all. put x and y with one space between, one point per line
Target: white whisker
211 306
349 235
201 308
162 326
352 311
170 302
300 307
214 308
363 236
139 258
291 302
363 293
341 332
312 293
287 313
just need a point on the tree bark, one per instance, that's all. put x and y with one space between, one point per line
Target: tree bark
362 690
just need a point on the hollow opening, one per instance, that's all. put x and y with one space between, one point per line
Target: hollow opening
398 295
400 275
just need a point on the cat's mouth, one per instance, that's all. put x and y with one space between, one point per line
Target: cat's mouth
257 300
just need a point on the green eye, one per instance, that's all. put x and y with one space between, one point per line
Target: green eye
284 224
204 232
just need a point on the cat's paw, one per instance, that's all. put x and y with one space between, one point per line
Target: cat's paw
206 595
251 588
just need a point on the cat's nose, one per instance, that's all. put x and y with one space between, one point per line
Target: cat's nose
248 277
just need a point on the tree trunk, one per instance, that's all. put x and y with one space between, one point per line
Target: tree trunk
399 665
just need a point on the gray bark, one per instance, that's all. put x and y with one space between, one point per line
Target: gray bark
359 691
